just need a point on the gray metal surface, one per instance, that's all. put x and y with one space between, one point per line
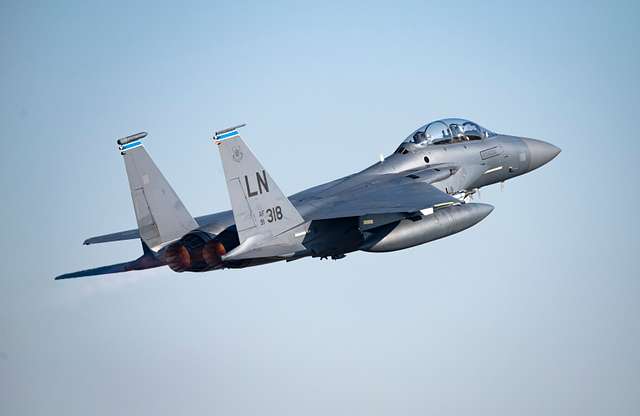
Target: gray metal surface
160 214
442 223
415 195
259 207
376 195
132 138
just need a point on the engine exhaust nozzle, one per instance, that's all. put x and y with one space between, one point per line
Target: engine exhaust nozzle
178 258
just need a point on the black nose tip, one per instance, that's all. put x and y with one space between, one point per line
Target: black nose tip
540 152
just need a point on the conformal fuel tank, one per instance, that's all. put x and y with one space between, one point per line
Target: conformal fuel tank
412 232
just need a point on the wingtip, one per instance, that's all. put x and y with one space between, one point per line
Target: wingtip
102 270
133 137
66 276
228 129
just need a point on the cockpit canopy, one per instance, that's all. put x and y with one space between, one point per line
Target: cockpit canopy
447 131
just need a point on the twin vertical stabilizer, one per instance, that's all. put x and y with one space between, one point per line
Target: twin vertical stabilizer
260 209
161 215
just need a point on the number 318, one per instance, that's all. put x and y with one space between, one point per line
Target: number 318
274 214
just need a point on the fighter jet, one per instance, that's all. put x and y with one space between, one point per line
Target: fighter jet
420 193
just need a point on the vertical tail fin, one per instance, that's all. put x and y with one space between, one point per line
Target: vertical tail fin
259 206
160 214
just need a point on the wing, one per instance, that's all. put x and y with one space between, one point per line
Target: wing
377 195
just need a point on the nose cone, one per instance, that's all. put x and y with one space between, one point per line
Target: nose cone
540 152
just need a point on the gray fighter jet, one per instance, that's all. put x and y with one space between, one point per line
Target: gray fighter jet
418 194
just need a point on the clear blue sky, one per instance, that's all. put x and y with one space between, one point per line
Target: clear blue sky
532 312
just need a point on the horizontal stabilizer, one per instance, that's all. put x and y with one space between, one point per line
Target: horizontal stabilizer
222 219
119 236
147 261
113 268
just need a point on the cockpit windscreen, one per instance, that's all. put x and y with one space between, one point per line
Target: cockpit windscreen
447 131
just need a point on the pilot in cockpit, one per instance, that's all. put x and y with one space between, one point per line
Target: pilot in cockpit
419 137
457 133
442 132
